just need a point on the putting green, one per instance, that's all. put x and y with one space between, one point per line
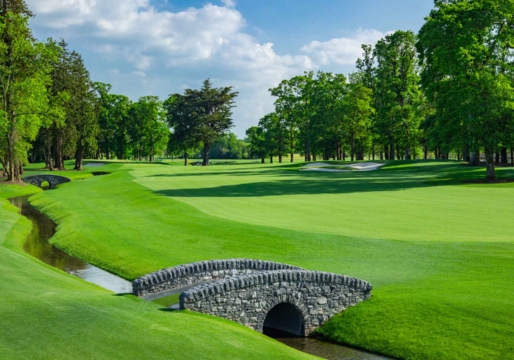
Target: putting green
438 252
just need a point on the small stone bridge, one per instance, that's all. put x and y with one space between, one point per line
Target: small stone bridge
53 180
262 295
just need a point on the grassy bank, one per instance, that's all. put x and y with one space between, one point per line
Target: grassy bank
47 314
438 252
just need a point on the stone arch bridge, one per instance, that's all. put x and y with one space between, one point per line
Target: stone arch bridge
53 180
262 295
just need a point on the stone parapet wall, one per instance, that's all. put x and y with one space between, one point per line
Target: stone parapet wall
247 299
53 180
201 273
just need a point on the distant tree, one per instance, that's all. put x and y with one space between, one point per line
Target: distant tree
213 112
397 94
201 116
358 112
258 148
149 132
181 118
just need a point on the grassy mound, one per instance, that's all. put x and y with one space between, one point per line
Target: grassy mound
439 254
47 314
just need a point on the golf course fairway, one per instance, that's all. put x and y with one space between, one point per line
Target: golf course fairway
438 250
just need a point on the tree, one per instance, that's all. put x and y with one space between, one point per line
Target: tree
398 98
201 116
258 148
149 132
213 111
24 69
179 113
466 48
358 113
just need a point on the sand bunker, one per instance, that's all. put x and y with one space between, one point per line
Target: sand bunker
326 167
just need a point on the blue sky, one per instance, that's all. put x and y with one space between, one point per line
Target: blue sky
159 47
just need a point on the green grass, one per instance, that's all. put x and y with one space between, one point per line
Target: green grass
438 252
47 314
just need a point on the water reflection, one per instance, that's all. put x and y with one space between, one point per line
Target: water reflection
327 350
38 246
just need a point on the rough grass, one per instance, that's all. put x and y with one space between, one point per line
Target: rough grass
439 254
47 314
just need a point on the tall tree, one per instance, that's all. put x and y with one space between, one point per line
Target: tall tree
181 118
358 112
213 112
397 94
466 49
258 148
24 69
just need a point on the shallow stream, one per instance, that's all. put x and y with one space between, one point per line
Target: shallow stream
38 245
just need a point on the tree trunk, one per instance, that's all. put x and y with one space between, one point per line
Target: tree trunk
185 158
280 158
512 155
504 156
263 160
79 156
352 145
407 153
391 153
497 160
474 158
425 152
271 159
58 158
307 150
489 160
206 154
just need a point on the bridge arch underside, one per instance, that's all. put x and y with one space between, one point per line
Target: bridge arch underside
52 180
283 320
297 302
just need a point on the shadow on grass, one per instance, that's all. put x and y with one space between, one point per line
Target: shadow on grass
306 183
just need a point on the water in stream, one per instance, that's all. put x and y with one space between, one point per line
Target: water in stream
38 246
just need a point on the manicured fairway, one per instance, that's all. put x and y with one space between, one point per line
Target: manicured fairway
46 314
440 254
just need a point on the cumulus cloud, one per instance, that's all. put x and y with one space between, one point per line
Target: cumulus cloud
159 48
343 51
229 3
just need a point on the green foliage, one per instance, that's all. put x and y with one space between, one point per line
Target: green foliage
466 51
200 116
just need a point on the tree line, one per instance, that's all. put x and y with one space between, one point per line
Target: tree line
448 89
52 110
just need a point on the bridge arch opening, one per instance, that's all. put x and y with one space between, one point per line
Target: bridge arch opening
284 320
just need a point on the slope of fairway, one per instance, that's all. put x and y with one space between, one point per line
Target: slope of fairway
406 202
431 300
47 314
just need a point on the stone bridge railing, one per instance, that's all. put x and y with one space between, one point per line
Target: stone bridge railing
53 180
174 278
248 299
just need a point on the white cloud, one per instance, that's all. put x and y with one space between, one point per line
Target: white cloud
229 3
342 51
161 50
